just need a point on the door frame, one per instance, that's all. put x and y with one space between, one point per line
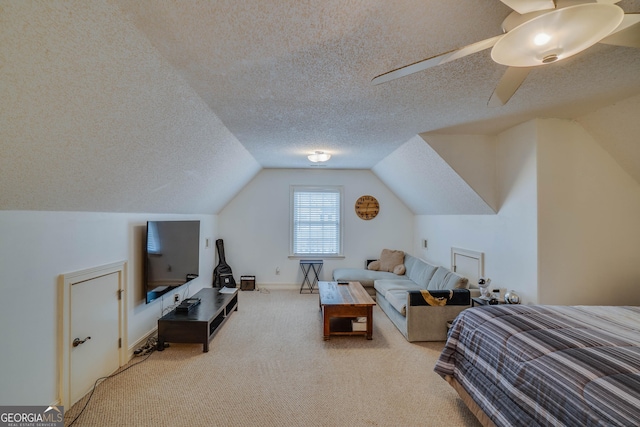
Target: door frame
478 256
64 325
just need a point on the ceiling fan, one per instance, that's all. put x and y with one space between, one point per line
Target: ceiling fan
540 32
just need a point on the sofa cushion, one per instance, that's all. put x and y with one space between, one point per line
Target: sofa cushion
382 286
398 300
444 278
419 271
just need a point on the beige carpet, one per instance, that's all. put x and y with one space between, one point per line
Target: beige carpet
269 366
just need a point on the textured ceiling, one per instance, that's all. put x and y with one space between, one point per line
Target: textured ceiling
291 77
173 106
93 119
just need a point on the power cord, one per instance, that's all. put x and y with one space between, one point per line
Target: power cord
171 307
185 294
147 349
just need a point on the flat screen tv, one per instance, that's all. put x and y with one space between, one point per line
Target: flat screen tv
172 256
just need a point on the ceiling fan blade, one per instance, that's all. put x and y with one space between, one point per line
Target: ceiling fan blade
472 48
627 33
435 60
508 85
526 6
410 69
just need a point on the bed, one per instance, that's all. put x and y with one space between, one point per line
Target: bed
517 365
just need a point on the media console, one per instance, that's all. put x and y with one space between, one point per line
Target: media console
199 324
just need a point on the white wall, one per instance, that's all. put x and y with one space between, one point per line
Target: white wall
589 221
508 239
35 248
255 224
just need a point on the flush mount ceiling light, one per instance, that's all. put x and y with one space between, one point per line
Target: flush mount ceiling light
319 156
540 32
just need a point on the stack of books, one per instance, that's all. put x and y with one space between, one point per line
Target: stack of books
359 324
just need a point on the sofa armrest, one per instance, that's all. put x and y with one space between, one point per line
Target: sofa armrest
452 297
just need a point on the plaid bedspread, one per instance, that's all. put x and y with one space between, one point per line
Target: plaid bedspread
548 365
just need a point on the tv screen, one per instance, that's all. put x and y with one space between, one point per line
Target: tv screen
172 256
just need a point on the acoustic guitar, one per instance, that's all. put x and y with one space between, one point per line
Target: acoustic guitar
222 274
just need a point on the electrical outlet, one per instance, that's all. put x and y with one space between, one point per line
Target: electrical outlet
277 270
424 243
176 297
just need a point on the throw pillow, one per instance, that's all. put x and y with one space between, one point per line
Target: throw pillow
389 259
399 269
374 265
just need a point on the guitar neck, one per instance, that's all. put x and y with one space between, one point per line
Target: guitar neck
220 247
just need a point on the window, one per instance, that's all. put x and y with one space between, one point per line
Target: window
316 227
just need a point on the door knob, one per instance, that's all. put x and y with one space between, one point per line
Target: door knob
78 341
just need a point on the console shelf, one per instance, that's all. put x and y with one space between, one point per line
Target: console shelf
201 323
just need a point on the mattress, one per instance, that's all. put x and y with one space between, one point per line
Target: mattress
548 365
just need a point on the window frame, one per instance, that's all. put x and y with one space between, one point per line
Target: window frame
315 188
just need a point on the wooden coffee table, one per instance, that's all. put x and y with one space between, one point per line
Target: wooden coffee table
345 302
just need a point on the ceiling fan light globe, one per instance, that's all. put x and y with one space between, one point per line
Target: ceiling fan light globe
541 39
571 30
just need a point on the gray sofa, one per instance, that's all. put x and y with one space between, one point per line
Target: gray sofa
407 299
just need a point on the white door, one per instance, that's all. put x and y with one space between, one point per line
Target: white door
94 313
469 264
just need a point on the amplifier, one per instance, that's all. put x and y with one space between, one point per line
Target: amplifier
248 283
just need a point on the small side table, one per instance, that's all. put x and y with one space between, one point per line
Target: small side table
479 301
311 269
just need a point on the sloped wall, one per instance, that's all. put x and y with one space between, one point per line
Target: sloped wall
426 183
588 220
616 128
473 157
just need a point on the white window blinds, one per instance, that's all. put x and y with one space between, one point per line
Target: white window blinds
316 228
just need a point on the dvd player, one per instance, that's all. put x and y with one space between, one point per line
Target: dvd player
187 305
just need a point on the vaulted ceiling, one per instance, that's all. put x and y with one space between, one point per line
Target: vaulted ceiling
173 106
